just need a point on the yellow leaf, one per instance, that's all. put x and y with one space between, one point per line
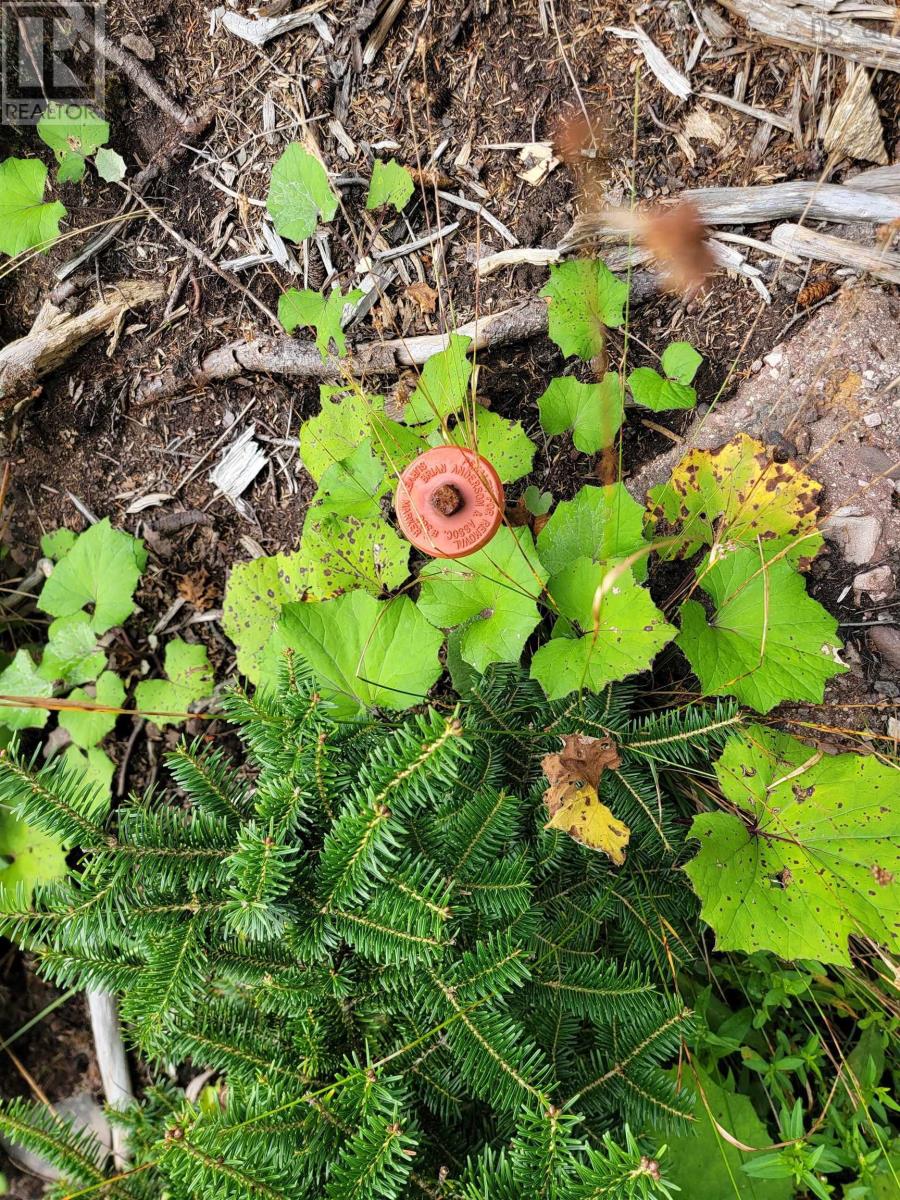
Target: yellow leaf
576 808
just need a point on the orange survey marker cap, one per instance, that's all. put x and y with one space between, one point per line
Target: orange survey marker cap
449 502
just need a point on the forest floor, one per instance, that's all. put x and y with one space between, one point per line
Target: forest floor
454 81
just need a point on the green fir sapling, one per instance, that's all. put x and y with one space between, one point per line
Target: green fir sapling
408 984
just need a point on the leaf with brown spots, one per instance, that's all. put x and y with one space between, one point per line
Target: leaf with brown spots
581 757
572 800
807 855
738 495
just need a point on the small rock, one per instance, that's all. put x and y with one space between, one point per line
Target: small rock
884 641
141 47
756 366
775 357
877 583
856 533
893 728
872 419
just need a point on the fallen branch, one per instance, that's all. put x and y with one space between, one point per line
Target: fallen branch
302 360
132 67
56 335
112 1064
808 199
809 243
812 27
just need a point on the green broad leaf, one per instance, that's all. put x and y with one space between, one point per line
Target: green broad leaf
352 487
71 168
71 655
443 385
681 362
767 640
651 390
702 1153
364 652
586 299
254 596
600 523
537 502
56 545
27 857
349 417
98 770
341 553
391 183
72 129
299 193
22 678
624 637
101 569
808 858
499 585
110 165
593 411
189 678
505 444
323 314
90 727
26 221
738 495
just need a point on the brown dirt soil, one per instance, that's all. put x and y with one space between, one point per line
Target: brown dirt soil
472 74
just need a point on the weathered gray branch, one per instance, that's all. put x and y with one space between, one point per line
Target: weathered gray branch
56 335
301 360
812 27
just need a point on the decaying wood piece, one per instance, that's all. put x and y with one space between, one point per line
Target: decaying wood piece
808 198
809 243
854 130
132 67
56 335
381 31
812 26
302 360
667 74
259 30
885 180
112 1064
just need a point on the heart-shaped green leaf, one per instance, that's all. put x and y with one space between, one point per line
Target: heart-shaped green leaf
89 727
189 678
586 299
593 411
495 590
26 221
364 652
767 641
391 183
299 193
22 678
604 638
101 569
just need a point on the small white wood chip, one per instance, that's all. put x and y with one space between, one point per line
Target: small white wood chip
261 30
239 465
854 130
667 74
152 500
701 125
